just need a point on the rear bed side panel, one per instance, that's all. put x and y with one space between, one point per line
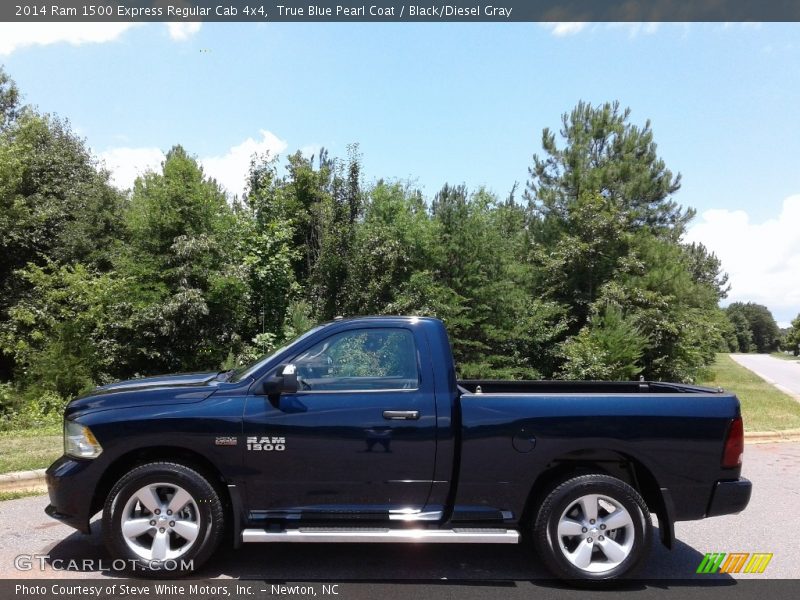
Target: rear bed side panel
677 437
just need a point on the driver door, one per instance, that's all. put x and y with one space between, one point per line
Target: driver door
358 438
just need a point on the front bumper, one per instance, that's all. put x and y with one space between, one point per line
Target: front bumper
729 497
71 483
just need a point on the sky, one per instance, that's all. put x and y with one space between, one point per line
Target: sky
461 103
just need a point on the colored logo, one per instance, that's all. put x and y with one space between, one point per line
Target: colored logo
735 562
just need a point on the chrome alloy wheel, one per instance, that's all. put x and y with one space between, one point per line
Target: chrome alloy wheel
160 522
595 533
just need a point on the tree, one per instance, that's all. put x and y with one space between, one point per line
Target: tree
191 297
395 240
61 334
334 220
57 207
675 313
9 100
321 201
604 240
609 347
587 251
792 339
589 279
481 242
54 203
761 324
706 268
268 245
741 330
605 154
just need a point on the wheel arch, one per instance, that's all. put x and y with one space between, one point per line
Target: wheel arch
611 462
175 454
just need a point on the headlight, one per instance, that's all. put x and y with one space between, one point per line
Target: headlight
79 441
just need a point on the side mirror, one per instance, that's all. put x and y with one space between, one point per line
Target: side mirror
283 383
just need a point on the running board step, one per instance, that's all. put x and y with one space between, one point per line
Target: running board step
378 535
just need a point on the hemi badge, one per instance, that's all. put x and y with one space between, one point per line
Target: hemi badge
226 440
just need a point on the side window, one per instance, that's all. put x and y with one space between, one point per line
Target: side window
361 359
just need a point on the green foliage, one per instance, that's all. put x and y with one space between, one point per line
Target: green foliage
191 279
268 247
54 202
582 249
9 100
604 232
706 268
610 347
676 313
756 329
589 279
58 333
32 410
741 330
729 338
791 341
56 206
395 240
605 154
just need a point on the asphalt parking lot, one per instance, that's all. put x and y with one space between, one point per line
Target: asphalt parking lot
768 525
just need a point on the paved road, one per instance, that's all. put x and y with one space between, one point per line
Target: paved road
768 525
784 374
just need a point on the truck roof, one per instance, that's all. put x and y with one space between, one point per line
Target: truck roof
403 318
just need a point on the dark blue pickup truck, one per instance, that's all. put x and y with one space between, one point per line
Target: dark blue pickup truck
359 431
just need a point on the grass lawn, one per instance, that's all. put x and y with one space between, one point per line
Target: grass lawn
785 356
29 448
17 495
764 407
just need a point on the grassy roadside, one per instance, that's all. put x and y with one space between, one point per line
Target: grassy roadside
17 495
764 407
784 356
29 448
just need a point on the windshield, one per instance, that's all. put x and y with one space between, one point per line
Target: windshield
248 370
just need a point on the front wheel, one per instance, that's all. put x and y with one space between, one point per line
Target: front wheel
162 519
592 528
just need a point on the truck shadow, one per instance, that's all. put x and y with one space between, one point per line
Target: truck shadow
476 565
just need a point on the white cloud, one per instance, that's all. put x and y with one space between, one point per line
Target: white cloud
14 36
635 29
742 25
230 169
762 259
126 164
565 28
310 150
183 31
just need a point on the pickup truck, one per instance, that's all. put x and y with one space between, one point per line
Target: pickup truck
359 431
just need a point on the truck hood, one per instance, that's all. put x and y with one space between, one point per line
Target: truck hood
145 391
179 380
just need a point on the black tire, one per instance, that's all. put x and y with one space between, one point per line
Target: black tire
564 501
203 515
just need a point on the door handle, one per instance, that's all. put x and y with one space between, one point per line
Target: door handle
401 415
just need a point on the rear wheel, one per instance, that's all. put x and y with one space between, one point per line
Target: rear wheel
162 519
592 528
